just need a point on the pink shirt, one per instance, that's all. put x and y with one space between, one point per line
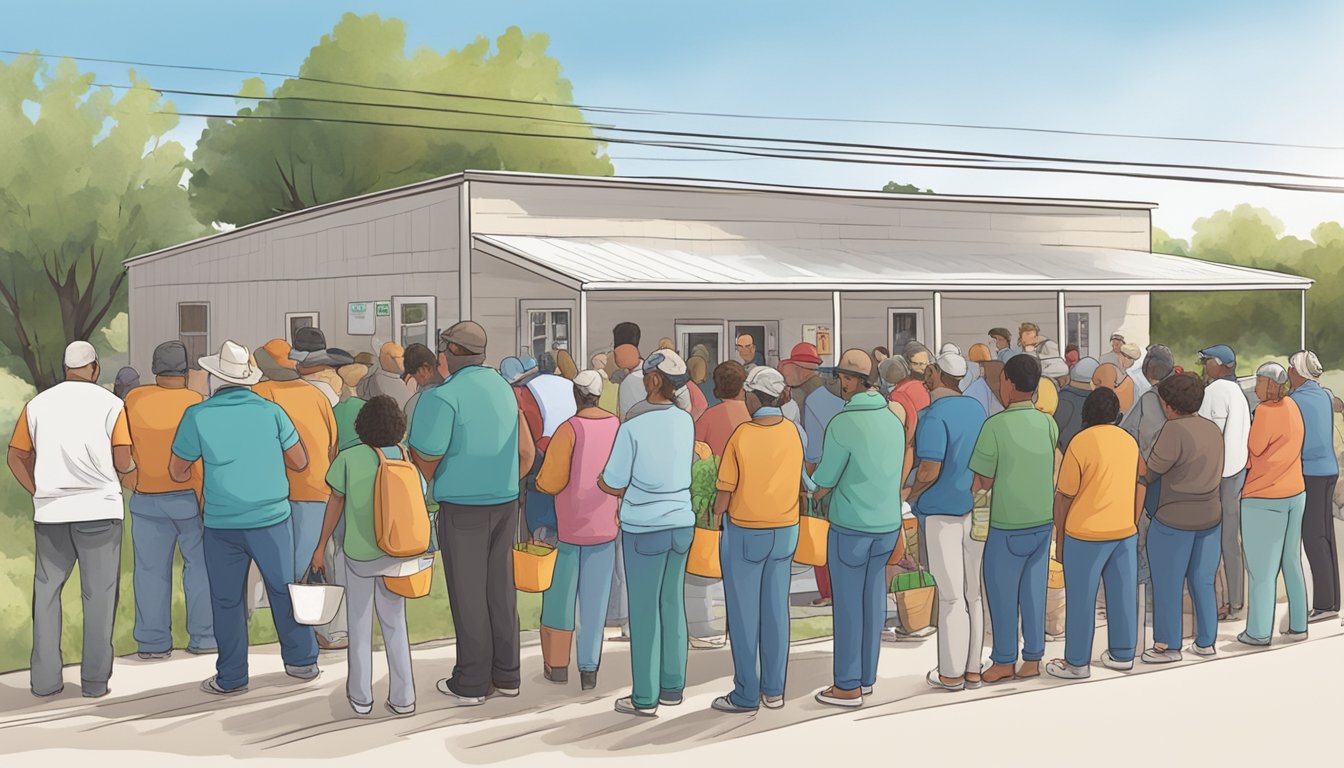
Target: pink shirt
585 514
716 425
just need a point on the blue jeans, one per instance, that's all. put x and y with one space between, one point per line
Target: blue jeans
756 572
161 523
1176 557
1017 569
858 565
582 576
228 554
1086 563
305 525
655 574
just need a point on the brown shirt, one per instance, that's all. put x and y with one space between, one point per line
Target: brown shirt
1188 456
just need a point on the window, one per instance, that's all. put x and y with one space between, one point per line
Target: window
193 330
414 320
1081 329
764 335
906 325
296 320
702 340
548 330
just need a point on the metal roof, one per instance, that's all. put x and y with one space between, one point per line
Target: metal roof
834 265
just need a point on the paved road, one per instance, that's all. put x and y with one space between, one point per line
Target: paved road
1242 706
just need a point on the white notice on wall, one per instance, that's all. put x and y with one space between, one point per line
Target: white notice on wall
359 319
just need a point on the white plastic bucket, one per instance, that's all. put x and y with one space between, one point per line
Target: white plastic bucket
315 604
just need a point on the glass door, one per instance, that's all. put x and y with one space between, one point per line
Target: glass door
413 319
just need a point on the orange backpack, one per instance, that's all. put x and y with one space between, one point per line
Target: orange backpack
400 518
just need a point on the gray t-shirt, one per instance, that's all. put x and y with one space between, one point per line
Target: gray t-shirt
1188 456
1145 421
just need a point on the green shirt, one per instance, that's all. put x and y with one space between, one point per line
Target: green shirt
1017 450
861 460
352 475
471 421
346 411
241 440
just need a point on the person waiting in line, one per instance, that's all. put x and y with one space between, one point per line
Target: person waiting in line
746 351
246 445
985 389
861 469
423 368
1072 355
650 470
1004 349
717 424
1225 405
695 367
823 404
1321 470
69 445
757 506
387 378
897 370
1130 366
918 357
1184 536
380 425
1144 423
623 362
127 379
799 370
1112 377
346 410
1097 506
1272 504
1115 355
1038 346
587 529
1015 458
942 500
1069 415
166 514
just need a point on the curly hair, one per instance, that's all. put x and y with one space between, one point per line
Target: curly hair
729 377
1024 371
380 422
1102 406
1183 392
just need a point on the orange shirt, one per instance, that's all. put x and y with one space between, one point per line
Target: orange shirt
760 468
310 410
153 413
1274 467
1101 472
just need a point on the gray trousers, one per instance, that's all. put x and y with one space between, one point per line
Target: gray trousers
476 544
96 547
365 595
700 592
1234 565
618 606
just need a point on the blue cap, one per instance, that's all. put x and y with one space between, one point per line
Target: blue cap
514 368
1084 369
1220 352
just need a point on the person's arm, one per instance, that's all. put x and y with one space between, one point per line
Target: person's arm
22 464
1140 492
1166 452
335 508
186 448
555 468
982 483
527 448
985 458
296 458
730 474
925 476
834 458
333 440
1069 485
616 475
1063 503
1262 433
721 501
930 444
431 432
122 460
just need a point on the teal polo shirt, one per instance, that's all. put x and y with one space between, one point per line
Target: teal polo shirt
240 439
471 422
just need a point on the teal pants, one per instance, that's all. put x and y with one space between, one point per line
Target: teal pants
1271 535
582 579
655 578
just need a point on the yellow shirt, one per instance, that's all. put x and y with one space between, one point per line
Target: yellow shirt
1101 471
760 468
310 410
153 413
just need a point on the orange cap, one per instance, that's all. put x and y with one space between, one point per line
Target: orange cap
279 350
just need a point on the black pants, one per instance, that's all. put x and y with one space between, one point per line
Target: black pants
477 548
1318 540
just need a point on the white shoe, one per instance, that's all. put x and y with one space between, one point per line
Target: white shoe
708 643
1201 651
360 709
934 680
1154 656
1066 671
1109 661
823 696
457 699
776 702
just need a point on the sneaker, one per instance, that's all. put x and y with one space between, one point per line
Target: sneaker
725 704
669 698
866 690
1246 639
626 706
1066 671
1110 662
1154 656
1199 650
838 698
772 702
399 711
708 643
305 673
212 686
821 602
587 680
508 693
456 698
360 709
936 681
1316 616
1294 637
624 637
337 644
202 651
154 655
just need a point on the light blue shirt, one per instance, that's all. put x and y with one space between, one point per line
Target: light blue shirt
946 433
651 460
979 392
1008 353
820 407
1318 417
240 438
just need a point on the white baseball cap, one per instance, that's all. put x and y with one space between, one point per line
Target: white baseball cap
79 354
952 364
589 383
765 380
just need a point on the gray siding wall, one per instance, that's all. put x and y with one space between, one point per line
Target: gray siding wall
498 292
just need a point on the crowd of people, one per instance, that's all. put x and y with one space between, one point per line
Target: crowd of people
1125 469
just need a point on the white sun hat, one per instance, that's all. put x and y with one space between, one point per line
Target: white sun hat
232 365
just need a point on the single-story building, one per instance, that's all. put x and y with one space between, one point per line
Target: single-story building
549 262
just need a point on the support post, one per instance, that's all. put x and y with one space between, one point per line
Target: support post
835 328
937 323
1303 336
464 242
581 345
1063 319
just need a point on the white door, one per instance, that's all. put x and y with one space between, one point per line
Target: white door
906 325
413 320
546 328
693 337
1083 327
764 335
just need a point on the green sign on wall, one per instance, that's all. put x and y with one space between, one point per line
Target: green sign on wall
383 309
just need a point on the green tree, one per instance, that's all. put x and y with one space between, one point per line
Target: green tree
905 189
86 183
244 170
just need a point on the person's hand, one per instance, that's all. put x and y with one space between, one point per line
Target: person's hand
907 563
319 561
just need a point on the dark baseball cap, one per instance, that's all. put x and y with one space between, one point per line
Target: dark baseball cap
309 340
170 359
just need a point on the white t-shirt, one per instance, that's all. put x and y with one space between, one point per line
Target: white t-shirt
1226 406
72 428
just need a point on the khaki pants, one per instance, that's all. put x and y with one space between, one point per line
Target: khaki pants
954 560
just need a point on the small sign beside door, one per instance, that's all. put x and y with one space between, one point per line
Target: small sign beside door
384 309
820 336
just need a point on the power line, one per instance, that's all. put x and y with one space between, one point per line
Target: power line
687 113
831 147
781 154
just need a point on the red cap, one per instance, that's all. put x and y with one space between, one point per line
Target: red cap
803 354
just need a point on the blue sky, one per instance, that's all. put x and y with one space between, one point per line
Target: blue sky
1242 70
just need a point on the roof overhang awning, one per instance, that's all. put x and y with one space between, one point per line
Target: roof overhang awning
644 264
